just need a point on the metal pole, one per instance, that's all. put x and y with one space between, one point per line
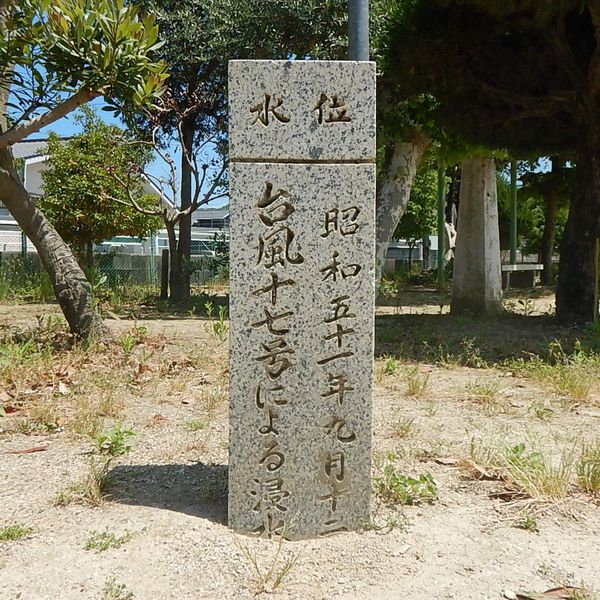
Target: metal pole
513 212
358 29
441 226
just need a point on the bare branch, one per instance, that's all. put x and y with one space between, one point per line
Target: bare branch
20 132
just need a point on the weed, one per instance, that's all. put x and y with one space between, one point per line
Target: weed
85 421
392 487
528 471
114 442
195 425
271 578
127 342
110 406
219 326
116 591
403 428
542 411
392 366
213 398
416 382
91 489
432 409
482 391
588 468
528 522
103 540
15 532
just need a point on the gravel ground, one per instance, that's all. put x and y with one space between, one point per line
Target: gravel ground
169 493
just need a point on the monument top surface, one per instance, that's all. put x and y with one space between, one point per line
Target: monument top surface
321 111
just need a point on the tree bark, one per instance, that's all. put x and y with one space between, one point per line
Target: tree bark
180 261
72 290
549 235
398 174
576 279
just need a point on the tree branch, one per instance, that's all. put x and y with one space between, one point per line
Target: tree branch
20 132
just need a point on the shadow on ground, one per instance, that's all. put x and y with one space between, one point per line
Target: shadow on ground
199 490
473 341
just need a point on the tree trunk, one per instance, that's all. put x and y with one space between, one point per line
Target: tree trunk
576 279
72 290
174 263
477 281
181 263
398 174
547 244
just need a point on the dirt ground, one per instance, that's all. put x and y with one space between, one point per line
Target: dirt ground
169 491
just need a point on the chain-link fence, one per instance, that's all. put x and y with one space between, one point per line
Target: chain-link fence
120 268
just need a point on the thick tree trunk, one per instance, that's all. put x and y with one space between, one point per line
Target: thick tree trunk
576 279
477 282
71 288
398 174
549 235
174 264
180 283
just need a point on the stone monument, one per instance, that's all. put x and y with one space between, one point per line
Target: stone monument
302 193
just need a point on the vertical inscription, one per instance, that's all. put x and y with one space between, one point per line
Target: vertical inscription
302 273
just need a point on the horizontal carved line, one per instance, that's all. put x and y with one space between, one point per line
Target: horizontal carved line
295 161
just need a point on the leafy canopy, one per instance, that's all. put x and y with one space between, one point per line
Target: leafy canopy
80 186
55 48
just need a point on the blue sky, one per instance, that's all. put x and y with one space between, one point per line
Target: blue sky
68 127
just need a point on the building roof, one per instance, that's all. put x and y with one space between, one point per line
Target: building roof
32 147
212 213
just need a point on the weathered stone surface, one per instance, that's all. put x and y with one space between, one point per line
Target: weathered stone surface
477 281
323 308
302 296
276 106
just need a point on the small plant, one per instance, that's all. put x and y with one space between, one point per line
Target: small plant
91 489
103 540
416 382
15 532
195 425
482 391
128 343
219 326
271 578
114 442
528 522
588 468
392 366
404 428
116 591
392 487
209 307
542 411
432 409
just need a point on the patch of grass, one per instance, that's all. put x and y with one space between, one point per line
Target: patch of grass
214 399
86 420
527 471
588 468
91 490
542 411
104 540
15 532
528 522
393 487
195 425
416 382
270 578
113 590
403 428
482 390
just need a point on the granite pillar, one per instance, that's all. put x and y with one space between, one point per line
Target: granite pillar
302 149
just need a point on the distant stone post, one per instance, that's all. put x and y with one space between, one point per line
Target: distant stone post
302 240
477 281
